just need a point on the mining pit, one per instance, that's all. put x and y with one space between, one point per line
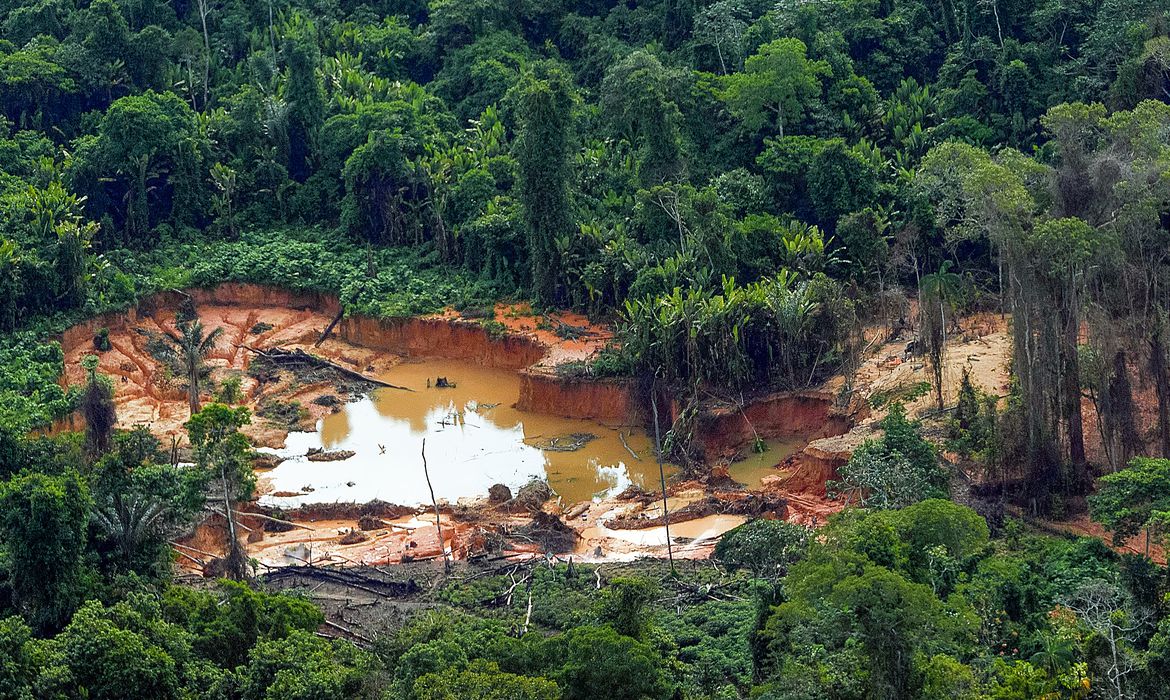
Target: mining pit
340 419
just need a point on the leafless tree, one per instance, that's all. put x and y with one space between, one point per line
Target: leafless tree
1106 609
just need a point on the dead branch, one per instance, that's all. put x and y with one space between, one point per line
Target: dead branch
274 520
627 446
329 329
197 551
242 526
200 562
346 630
528 615
298 356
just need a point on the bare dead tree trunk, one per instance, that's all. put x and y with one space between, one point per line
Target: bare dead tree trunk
1074 422
1161 385
329 328
435 503
204 10
236 561
662 478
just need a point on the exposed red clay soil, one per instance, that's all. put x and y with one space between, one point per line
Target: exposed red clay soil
630 525
625 527
608 401
530 344
840 421
809 415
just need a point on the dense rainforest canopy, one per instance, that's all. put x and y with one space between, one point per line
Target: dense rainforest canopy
745 189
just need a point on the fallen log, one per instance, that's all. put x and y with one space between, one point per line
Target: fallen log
567 331
329 329
578 510
269 518
281 356
202 564
197 551
627 446
350 578
346 630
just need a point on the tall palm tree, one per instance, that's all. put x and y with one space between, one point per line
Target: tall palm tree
185 354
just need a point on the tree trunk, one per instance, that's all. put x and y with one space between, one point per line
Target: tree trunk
435 503
662 478
236 561
1072 398
203 12
193 395
1161 386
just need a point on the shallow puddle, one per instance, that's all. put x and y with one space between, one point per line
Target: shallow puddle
474 438
687 536
752 469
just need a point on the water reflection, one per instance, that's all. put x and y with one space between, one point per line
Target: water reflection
474 438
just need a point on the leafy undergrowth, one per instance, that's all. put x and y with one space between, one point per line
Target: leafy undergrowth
381 282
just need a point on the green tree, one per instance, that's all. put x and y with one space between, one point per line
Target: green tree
139 503
185 354
226 181
221 450
142 164
778 80
1133 499
11 289
303 93
106 659
303 667
225 625
20 661
840 182
1064 253
34 86
43 521
636 96
483 680
897 470
624 605
938 301
588 658
97 406
545 109
765 547
721 26
865 234
378 176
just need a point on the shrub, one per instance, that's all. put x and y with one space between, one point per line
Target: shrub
101 340
895 471
763 547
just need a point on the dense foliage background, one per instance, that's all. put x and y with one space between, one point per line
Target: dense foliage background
741 186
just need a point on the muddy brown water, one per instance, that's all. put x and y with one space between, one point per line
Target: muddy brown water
474 439
751 470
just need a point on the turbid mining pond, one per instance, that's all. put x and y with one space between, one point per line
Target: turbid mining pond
474 439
